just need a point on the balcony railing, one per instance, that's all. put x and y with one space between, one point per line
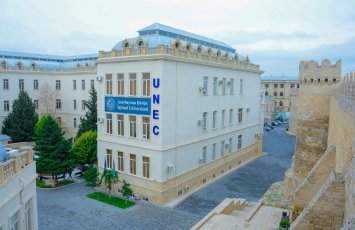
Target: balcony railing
14 165
80 69
183 53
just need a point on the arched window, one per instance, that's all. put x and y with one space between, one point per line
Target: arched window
199 49
318 80
78 65
281 103
281 94
266 93
4 65
33 66
126 45
275 94
312 80
334 80
218 53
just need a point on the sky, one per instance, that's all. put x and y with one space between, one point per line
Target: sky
276 34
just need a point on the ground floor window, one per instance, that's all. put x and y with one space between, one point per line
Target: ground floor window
28 215
14 224
109 158
120 161
239 141
146 172
132 160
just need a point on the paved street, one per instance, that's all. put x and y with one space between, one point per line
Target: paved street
68 208
250 181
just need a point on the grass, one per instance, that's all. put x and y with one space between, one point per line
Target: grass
41 184
115 201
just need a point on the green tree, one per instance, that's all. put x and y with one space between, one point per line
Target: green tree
108 177
54 156
91 176
89 121
20 122
126 190
38 125
85 148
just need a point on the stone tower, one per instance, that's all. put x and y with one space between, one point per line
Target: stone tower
312 118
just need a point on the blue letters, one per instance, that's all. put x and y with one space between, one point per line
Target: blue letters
156 130
156 114
156 98
156 82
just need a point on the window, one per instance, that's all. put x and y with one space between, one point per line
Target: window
231 86
6 84
92 82
35 84
215 88
83 107
204 120
214 121
132 84
21 84
281 94
146 172
298 86
230 145
120 166
224 86
19 65
204 154
240 115
74 104
58 104
109 158
14 223
266 93
109 123
6 106
239 141
59 121
292 86
275 85
74 123
223 118
109 84
28 215
132 126
214 149
74 84
205 85
146 128
281 85
266 85
281 103
120 84
146 84
275 94
57 84
120 124
132 164
231 117
241 86
35 102
3 65
222 147
83 84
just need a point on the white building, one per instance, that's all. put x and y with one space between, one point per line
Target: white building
176 110
18 203
68 82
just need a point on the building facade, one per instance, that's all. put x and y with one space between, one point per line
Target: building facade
18 206
57 85
176 110
279 88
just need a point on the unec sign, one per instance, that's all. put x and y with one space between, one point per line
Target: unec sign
129 105
156 101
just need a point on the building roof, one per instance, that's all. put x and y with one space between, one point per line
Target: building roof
279 78
46 61
4 137
158 34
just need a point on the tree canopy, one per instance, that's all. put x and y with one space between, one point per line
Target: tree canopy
85 148
89 121
52 149
20 122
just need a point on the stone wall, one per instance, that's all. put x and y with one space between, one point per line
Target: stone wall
326 210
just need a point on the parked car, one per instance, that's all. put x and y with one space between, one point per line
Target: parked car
274 123
267 128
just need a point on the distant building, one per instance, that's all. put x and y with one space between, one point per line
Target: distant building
279 88
18 206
